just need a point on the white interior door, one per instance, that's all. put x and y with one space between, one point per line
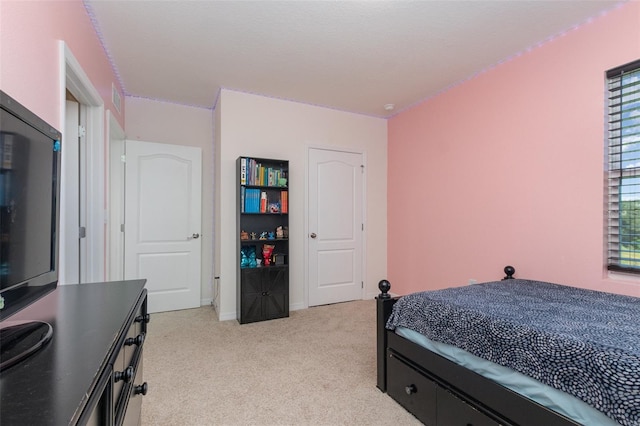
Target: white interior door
335 226
163 222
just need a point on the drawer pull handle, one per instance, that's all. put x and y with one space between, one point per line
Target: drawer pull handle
138 340
411 389
125 375
141 389
143 318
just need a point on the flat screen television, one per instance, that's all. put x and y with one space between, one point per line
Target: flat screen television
29 220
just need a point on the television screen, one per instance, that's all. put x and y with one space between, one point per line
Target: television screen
29 193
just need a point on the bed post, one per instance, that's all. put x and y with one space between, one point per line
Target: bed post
384 304
509 270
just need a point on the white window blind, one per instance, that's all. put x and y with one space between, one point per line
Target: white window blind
623 86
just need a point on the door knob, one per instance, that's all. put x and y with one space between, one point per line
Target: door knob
195 236
313 235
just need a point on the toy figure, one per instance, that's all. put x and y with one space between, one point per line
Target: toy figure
267 250
248 257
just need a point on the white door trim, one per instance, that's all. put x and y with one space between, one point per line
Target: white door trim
73 78
115 199
306 214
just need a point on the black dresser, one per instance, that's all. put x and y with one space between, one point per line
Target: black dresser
91 370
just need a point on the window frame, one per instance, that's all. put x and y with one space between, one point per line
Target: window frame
616 171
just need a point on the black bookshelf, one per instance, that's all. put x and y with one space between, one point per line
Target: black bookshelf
262 234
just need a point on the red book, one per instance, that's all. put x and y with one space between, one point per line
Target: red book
263 202
284 201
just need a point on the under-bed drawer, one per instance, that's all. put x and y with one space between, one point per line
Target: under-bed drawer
412 390
431 403
453 411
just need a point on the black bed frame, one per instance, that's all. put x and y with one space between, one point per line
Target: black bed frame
440 392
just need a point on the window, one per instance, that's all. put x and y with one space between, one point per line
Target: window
623 112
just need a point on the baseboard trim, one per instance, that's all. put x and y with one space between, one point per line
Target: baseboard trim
228 316
297 307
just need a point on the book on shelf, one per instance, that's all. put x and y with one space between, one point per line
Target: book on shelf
243 171
284 201
271 177
256 201
251 200
253 173
263 202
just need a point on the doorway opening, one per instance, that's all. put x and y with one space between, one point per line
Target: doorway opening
82 193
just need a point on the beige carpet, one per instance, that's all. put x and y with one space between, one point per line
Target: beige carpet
316 367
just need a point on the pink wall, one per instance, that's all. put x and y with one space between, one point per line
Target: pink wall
29 54
507 168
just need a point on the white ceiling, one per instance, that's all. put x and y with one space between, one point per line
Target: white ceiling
353 56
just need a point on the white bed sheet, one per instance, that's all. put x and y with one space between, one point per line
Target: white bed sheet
545 395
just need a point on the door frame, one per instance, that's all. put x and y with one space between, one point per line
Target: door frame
308 148
115 199
74 79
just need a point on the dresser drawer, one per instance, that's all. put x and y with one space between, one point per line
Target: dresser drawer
127 369
138 388
128 413
135 338
412 390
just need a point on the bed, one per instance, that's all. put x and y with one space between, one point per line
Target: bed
511 352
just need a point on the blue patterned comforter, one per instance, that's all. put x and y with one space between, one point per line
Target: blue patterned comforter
583 342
